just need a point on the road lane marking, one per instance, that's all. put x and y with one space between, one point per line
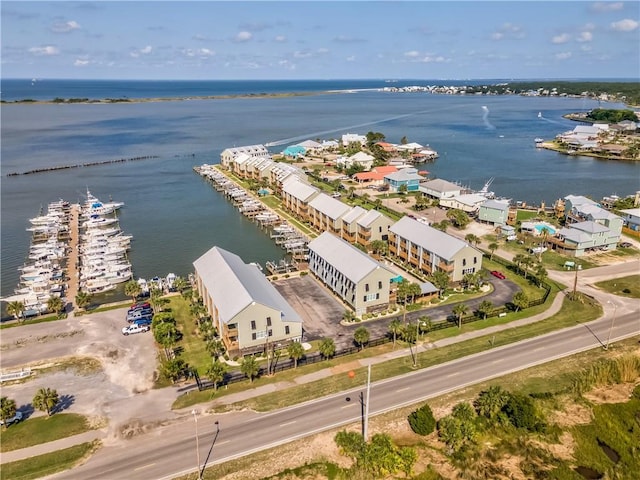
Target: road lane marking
403 389
453 374
498 360
349 405
288 423
143 467
539 348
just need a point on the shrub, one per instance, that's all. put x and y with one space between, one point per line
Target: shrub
303 273
422 421
522 413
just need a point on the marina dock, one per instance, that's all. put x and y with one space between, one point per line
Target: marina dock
73 261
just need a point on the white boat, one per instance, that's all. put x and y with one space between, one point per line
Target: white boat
170 280
539 114
98 285
144 286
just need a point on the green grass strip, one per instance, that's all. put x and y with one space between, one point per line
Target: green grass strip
47 464
42 430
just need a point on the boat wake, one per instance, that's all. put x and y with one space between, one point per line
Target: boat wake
353 127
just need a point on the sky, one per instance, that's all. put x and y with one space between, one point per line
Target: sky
215 40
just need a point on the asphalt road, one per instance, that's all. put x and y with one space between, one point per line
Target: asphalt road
171 451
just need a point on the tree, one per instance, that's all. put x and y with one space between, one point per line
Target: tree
520 300
493 246
350 444
295 350
440 280
425 324
522 413
55 305
132 289
379 247
464 412
403 189
422 421
45 400
180 284
518 260
352 192
450 432
472 239
250 368
485 308
215 347
361 336
489 402
83 300
459 311
174 368
404 140
527 262
216 373
7 409
327 348
395 327
541 274
167 335
15 308
348 316
155 298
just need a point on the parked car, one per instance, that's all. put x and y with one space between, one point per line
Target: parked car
140 305
135 329
143 320
131 316
15 419
498 274
625 244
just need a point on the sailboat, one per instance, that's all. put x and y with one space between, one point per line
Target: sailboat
539 114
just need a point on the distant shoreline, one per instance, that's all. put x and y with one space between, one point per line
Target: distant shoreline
126 100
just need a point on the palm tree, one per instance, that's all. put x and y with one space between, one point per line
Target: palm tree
352 191
215 347
472 239
489 402
440 280
485 308
379 247
327 348
395 327
296 352
83 300
361 336
16 309
7 409
459 311
166 334
493 246
132 289
348 316
541 274
250 368
180 284
55 305
520 300
154 297
216 373
46 399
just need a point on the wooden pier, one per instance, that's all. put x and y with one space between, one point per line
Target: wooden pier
73 261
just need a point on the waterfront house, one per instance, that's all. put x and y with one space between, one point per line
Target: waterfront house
280 172
238 165
294 151
244 306
296 196
363 159
329 145
431 250
375 176
359 280
325 213
349 138
494 212
228 155
581 238
349 230
408 177
373 226
311 146
467 202
573 203
631 218
440 188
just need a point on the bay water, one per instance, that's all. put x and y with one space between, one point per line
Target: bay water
175 216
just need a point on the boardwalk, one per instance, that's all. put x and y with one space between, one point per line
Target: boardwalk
73 260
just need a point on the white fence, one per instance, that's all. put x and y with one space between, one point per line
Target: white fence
25 372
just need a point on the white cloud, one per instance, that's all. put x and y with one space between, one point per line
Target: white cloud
563 55
433 59
65 27
280 38
146 50
80 63
322 50
45 51
508 30
497 36
351 58
562 38
243 36
198 52
586 48
412 54
302 54
585 37
626 25
607 6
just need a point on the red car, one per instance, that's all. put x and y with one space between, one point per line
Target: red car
498 274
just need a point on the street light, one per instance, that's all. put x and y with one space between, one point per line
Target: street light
613 319
195 417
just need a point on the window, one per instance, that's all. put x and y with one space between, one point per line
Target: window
366 287
380 229
464 262
475 260
268 321
253 336
287 330
371 297
270 332
253 324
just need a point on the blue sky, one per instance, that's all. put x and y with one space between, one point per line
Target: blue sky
320 40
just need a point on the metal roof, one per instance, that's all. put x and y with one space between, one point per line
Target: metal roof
440 185
299 190
369 218
440 243
235 285
354 214
352 262
331 207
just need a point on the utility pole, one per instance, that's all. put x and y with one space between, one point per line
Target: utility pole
613 319
195 417
365 427
575 282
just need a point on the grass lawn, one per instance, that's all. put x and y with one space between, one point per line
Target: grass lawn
30 321
42 430
47 464
623 287
193 347
568 315
525 215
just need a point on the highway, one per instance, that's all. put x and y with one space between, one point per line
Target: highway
167 452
